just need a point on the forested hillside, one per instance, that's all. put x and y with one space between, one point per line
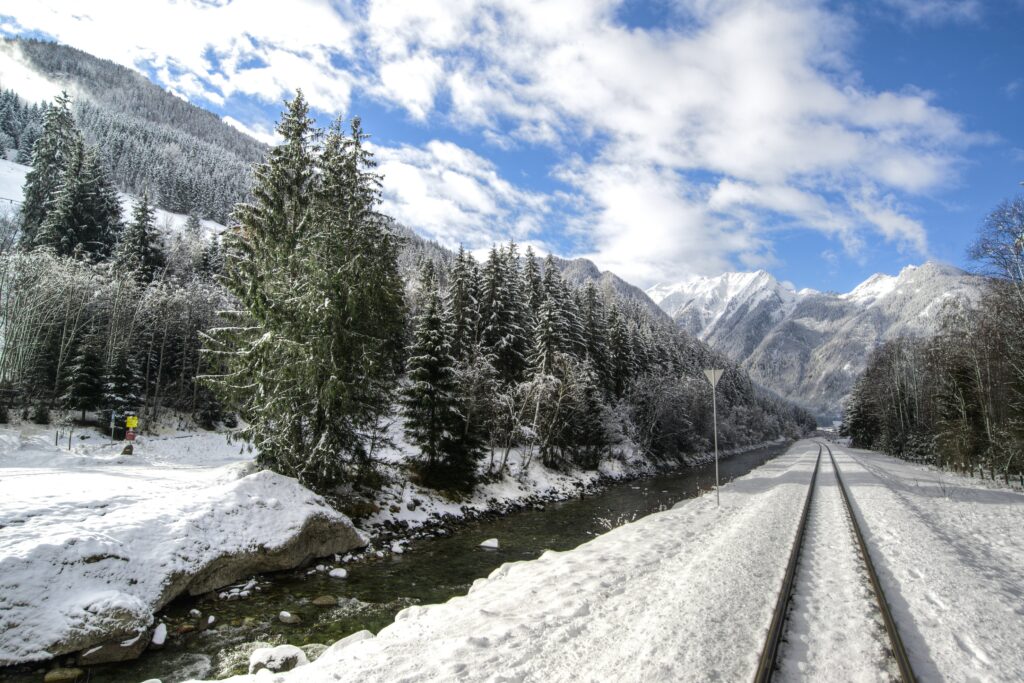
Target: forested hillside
185 157
956 399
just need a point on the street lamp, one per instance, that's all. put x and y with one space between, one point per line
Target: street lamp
713 375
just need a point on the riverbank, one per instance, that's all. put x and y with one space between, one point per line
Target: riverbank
687 594
127 524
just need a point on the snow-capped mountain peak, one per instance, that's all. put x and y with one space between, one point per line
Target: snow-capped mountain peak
807 345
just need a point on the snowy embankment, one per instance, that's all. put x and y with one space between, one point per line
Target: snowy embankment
405 507
680 595
92 542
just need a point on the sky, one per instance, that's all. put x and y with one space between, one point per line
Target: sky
821 141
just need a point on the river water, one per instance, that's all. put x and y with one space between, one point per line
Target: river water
430 571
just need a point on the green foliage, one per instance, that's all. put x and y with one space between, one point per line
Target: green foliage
434 418
139 252
84 385
312 359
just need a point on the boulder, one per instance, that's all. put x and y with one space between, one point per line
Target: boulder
289 618
277 659
314 650
115 651
62 675
325 601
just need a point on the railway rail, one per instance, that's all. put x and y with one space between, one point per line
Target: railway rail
767 664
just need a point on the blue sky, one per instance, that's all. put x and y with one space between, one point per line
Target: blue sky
822 141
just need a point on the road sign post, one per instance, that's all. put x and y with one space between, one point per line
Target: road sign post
713 375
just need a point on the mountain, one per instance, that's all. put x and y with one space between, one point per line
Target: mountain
810 346
580 271
186 158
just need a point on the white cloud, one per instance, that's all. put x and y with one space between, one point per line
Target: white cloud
689 143
456 196
264 133
211 51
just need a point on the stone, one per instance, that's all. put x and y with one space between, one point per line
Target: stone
289 618
490 543
319 537
62 675
325 601
314 650
116 650
338 573
277 659
159 636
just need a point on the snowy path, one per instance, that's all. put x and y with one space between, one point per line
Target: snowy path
950 555
683 595
834 630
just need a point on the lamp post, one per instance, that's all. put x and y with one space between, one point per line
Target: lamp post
713 375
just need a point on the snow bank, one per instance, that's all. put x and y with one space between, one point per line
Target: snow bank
94 543
682 595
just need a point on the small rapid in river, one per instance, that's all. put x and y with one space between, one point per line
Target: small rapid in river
429 571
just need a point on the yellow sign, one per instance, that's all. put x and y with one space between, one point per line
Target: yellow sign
131 422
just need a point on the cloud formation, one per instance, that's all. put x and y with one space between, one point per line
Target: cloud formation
684 147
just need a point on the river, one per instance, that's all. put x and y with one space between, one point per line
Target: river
430 571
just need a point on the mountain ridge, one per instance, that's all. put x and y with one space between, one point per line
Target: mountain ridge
809 345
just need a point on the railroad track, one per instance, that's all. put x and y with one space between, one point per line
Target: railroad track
770 653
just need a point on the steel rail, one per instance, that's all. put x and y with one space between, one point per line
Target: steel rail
766 664
898 650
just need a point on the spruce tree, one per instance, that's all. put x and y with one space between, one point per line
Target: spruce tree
534 282
122 383
51 154
433 421
462 306
84 216
139 252
311 358
503 314
84 378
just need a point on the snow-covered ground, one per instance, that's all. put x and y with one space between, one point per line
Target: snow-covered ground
87 532
680 595
687 594
949 551
90 539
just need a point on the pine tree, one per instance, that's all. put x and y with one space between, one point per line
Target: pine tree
503 313
51 154
595 334
84 216
620 353
433 421
84 381
534 282
138 251
312 358
122 384
462 306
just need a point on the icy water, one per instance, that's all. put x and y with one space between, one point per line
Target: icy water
430 571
